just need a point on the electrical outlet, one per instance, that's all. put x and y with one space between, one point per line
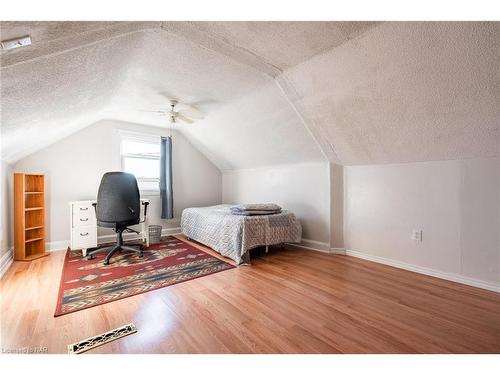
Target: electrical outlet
416 235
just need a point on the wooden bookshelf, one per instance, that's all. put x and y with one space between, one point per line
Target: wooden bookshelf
29 216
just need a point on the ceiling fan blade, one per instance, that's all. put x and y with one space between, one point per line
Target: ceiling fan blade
182 106
165 94
184 118
193 113
150 111
203 103
188 111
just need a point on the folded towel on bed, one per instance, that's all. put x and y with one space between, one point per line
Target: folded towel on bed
255 209
251 213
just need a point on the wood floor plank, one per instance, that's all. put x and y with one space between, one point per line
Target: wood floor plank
289 301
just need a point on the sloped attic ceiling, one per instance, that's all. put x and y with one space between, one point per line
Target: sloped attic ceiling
271 91
247 117
74 75
62 82
405 92
284 44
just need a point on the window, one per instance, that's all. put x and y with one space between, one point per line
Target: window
140 155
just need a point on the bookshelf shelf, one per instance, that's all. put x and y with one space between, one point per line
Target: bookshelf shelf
31 228
29 216
33 239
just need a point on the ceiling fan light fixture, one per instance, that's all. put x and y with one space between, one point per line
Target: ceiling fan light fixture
187 113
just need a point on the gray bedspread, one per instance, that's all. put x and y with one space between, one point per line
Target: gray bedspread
233 235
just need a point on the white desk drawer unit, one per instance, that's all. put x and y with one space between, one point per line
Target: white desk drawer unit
83 237
83 216
84 225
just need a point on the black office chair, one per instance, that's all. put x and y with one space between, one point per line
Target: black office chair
118 206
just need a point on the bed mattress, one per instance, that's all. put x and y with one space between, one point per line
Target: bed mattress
234 235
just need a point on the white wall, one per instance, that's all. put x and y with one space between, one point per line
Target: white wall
301 188
5 207
74 167
337 207
455 203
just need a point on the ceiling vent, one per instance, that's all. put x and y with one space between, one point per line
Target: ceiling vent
16 43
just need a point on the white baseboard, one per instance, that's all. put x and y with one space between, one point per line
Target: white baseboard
427 271
313 245
337 250
56 245
320 246
63 245
6 261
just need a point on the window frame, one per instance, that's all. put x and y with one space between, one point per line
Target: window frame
143 138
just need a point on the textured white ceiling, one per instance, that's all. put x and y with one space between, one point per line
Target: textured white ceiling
51 38
405 91
69 79
284 44
49 31
365 92
52 96
246 115
256 130
169 65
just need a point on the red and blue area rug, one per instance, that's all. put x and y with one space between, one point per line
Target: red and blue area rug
88 283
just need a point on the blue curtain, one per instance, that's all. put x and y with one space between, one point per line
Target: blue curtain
166 193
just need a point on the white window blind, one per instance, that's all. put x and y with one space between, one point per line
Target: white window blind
140 155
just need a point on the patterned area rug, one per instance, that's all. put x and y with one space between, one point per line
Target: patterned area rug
88 283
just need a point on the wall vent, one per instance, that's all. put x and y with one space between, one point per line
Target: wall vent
16 42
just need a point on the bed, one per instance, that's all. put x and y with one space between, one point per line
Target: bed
233 235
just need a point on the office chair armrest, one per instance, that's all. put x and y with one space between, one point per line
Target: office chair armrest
145 211
146 204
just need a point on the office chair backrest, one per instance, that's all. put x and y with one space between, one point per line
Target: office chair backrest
118 199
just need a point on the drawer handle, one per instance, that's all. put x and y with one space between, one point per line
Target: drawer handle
84 209
87 219
84 234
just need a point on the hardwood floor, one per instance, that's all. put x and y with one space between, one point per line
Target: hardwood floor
289 301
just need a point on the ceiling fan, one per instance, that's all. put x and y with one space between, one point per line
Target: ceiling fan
179 112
